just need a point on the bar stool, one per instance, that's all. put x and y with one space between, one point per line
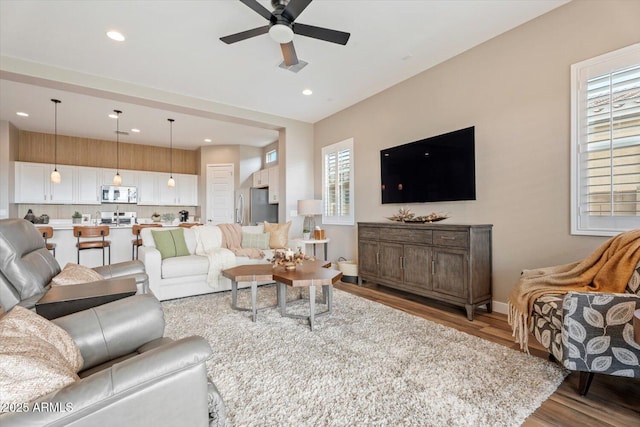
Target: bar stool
137 242
47 233
84 231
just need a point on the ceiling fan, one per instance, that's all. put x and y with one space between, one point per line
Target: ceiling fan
282 27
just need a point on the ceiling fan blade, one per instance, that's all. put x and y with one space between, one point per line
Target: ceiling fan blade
289 54
258 8
295 8
245 35
320 33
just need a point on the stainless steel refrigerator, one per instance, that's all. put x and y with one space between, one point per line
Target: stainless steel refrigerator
260 209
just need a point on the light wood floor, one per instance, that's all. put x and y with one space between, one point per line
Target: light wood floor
611 401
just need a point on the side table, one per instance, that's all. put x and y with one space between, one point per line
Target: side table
315 242
62 300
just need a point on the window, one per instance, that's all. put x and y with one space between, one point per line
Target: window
271 156
605 143
337 183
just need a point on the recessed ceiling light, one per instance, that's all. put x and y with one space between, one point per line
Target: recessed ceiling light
207 140
115 35
113 116
307 92
22 114
134 130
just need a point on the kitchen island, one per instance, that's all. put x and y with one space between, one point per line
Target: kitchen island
119 235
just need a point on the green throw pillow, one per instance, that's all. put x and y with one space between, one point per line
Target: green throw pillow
251 240
170 243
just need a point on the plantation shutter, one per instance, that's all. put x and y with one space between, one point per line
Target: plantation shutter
608 145
337 183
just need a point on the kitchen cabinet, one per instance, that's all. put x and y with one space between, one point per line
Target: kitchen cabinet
33 183
87 186
185 193
129 177
148 188
274 185
450 263
261 178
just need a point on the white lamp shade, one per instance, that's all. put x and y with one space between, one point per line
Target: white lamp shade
171 183
117 179
309 207
55 177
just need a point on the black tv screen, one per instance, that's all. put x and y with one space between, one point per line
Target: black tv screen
436 169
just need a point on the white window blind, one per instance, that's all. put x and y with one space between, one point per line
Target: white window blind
606 143
337 179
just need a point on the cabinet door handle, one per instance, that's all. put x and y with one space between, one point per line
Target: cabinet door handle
433 267
377 258
447 238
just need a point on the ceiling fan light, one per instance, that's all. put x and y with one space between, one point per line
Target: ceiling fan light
281 33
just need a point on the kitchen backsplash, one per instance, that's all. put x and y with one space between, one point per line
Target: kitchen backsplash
65 211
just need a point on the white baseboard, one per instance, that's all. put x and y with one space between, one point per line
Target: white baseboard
500 307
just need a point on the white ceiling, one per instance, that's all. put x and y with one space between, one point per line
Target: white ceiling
174 46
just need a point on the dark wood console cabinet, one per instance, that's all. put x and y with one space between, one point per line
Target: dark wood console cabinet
450 263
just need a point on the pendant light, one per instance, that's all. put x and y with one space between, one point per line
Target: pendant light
171 183
117 179
55 175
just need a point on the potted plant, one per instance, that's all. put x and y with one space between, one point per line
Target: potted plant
76 218
306 234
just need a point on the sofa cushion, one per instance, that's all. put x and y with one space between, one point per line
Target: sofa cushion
72 274
37 357
170 243
279 234
254 240
190 265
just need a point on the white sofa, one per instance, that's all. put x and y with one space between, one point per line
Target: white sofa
184 276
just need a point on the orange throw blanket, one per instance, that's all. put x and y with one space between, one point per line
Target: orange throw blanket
608 269
232 240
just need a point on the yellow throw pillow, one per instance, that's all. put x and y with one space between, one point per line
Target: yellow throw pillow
279 234
36 357
72 274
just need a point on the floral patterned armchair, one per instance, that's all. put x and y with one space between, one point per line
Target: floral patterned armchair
591 332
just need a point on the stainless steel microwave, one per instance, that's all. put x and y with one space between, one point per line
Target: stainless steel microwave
119 194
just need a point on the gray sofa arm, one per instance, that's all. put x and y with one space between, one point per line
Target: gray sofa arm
597 333
134 269
115 329
166 386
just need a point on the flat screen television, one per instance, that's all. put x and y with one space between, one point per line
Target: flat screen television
436 169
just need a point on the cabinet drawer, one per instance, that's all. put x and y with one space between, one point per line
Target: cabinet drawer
458 239
406 236
368 233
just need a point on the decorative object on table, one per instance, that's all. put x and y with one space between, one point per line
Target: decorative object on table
43 219
309 208
86 218
155 217
168 217
405 215
76 218
318 234
30 216
288 259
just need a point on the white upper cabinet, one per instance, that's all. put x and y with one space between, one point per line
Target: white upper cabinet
33 183
261 178
88 185
147 188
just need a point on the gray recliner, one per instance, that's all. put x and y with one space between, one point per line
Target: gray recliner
132 375
27 267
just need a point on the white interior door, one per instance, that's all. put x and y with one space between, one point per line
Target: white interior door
220 194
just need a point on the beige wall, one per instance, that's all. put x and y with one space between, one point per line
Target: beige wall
515 90
9 135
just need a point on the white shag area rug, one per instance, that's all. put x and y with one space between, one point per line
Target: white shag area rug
366 364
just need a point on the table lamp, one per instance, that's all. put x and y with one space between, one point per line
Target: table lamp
309 208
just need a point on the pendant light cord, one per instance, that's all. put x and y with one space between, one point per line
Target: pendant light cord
118 112
170 147
55 135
